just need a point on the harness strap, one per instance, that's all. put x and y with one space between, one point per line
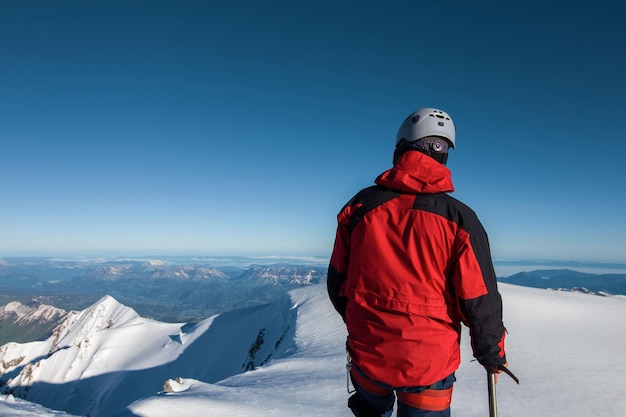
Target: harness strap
429 399
367 384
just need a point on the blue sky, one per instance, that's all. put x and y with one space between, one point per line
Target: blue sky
209 127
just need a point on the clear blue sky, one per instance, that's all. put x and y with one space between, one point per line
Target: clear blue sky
242 127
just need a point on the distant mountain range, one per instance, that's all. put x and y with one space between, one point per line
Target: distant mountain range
162 290
569 280
186 290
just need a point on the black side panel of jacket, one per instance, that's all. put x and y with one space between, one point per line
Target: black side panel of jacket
333 283
483 315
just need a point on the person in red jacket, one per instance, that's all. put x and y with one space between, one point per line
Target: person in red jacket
410 263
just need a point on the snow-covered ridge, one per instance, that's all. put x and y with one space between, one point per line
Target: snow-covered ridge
101 359
152 269
281 274
19 313
78 327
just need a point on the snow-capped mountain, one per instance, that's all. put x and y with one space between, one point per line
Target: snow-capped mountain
101 359
154 269
18 313
174 290
281 274
21 323
566 348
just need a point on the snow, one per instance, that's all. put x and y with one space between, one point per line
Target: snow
25 314
156 262
565 347
14 407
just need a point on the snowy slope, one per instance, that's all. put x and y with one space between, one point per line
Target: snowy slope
15 407
565 347
105 357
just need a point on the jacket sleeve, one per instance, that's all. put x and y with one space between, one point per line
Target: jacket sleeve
335 284
478 300
338 268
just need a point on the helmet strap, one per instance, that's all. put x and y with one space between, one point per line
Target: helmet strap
433 146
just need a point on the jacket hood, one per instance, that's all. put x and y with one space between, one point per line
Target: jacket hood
416 172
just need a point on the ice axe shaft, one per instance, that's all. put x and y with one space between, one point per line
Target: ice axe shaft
491 387
493 401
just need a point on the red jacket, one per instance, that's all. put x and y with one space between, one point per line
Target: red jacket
409 264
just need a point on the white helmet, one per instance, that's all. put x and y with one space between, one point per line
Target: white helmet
427 122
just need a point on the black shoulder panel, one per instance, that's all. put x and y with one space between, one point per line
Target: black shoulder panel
369 198
459 213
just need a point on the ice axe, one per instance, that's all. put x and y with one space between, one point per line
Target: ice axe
491 388
493 401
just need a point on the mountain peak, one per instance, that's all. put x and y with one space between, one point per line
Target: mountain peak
105 314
